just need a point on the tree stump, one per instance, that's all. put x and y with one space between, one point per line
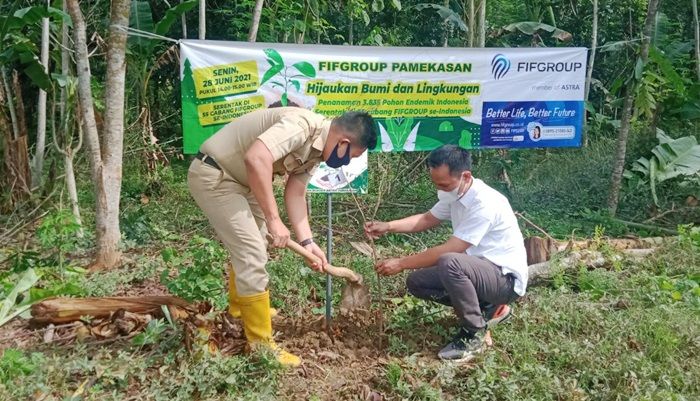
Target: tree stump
539 249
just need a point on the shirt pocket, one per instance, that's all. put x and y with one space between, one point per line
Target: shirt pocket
293 161
308 167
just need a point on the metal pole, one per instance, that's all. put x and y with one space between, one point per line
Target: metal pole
329 256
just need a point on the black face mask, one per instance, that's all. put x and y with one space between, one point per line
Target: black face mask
335 161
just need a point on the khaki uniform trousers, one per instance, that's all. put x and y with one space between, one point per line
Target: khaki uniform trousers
238 221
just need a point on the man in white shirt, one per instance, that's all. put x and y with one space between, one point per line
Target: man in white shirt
480 269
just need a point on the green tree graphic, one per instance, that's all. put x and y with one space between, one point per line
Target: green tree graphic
277 66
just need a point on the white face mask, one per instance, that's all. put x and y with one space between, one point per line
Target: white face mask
451 196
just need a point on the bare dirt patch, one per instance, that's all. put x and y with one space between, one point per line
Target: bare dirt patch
340 361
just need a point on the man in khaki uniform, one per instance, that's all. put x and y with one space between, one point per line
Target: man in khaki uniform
231 181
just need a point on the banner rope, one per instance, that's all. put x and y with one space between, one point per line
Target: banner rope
623 42
150 35
144 34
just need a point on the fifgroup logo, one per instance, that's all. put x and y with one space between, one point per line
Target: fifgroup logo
500 65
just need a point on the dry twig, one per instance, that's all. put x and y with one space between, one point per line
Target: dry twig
374 261
533 225
670 211
37 331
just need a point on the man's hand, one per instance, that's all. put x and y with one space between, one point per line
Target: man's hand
316 250
389 267
375 229
279 233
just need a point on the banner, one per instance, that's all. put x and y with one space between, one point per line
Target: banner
421 98
351 178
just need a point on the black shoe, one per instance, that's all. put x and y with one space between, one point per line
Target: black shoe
463 347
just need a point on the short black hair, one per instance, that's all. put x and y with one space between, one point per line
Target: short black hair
360 125
457 159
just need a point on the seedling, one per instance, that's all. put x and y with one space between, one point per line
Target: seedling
289 77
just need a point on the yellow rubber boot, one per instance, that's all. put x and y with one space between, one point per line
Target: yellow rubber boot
234 308
257 325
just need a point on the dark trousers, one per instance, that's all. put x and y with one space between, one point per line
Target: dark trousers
463 282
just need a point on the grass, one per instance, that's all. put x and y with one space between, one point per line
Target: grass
603 335
164 372
626 333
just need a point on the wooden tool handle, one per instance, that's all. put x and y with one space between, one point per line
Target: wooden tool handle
343 272
301 251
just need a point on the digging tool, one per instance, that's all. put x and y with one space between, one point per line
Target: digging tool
354 294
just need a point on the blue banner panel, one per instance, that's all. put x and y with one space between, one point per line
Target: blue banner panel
553 123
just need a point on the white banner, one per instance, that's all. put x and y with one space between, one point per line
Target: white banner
421 98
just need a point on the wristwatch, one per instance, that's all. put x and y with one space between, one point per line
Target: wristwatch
307 242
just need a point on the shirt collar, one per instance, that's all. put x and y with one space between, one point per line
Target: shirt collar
320 142
471 193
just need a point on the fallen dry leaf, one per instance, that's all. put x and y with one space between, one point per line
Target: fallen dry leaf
362 247
329 354
125 322
488 340
49 334
82 332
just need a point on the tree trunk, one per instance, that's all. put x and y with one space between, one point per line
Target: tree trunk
65 64
112 147
482 24
551 16
63 310
539 249
84 91
38 161
300 40
351 31
15 169
648 26
591 61
69 152
472 25
446 26
19 173
318 24
620 151
594 45
257 11
10 103
106 155
72 190
17 178
19 105
5 171
202 19
539 273
68 155
623 133
183 21
694 4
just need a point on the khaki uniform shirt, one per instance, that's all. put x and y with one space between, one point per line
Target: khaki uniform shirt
294 136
